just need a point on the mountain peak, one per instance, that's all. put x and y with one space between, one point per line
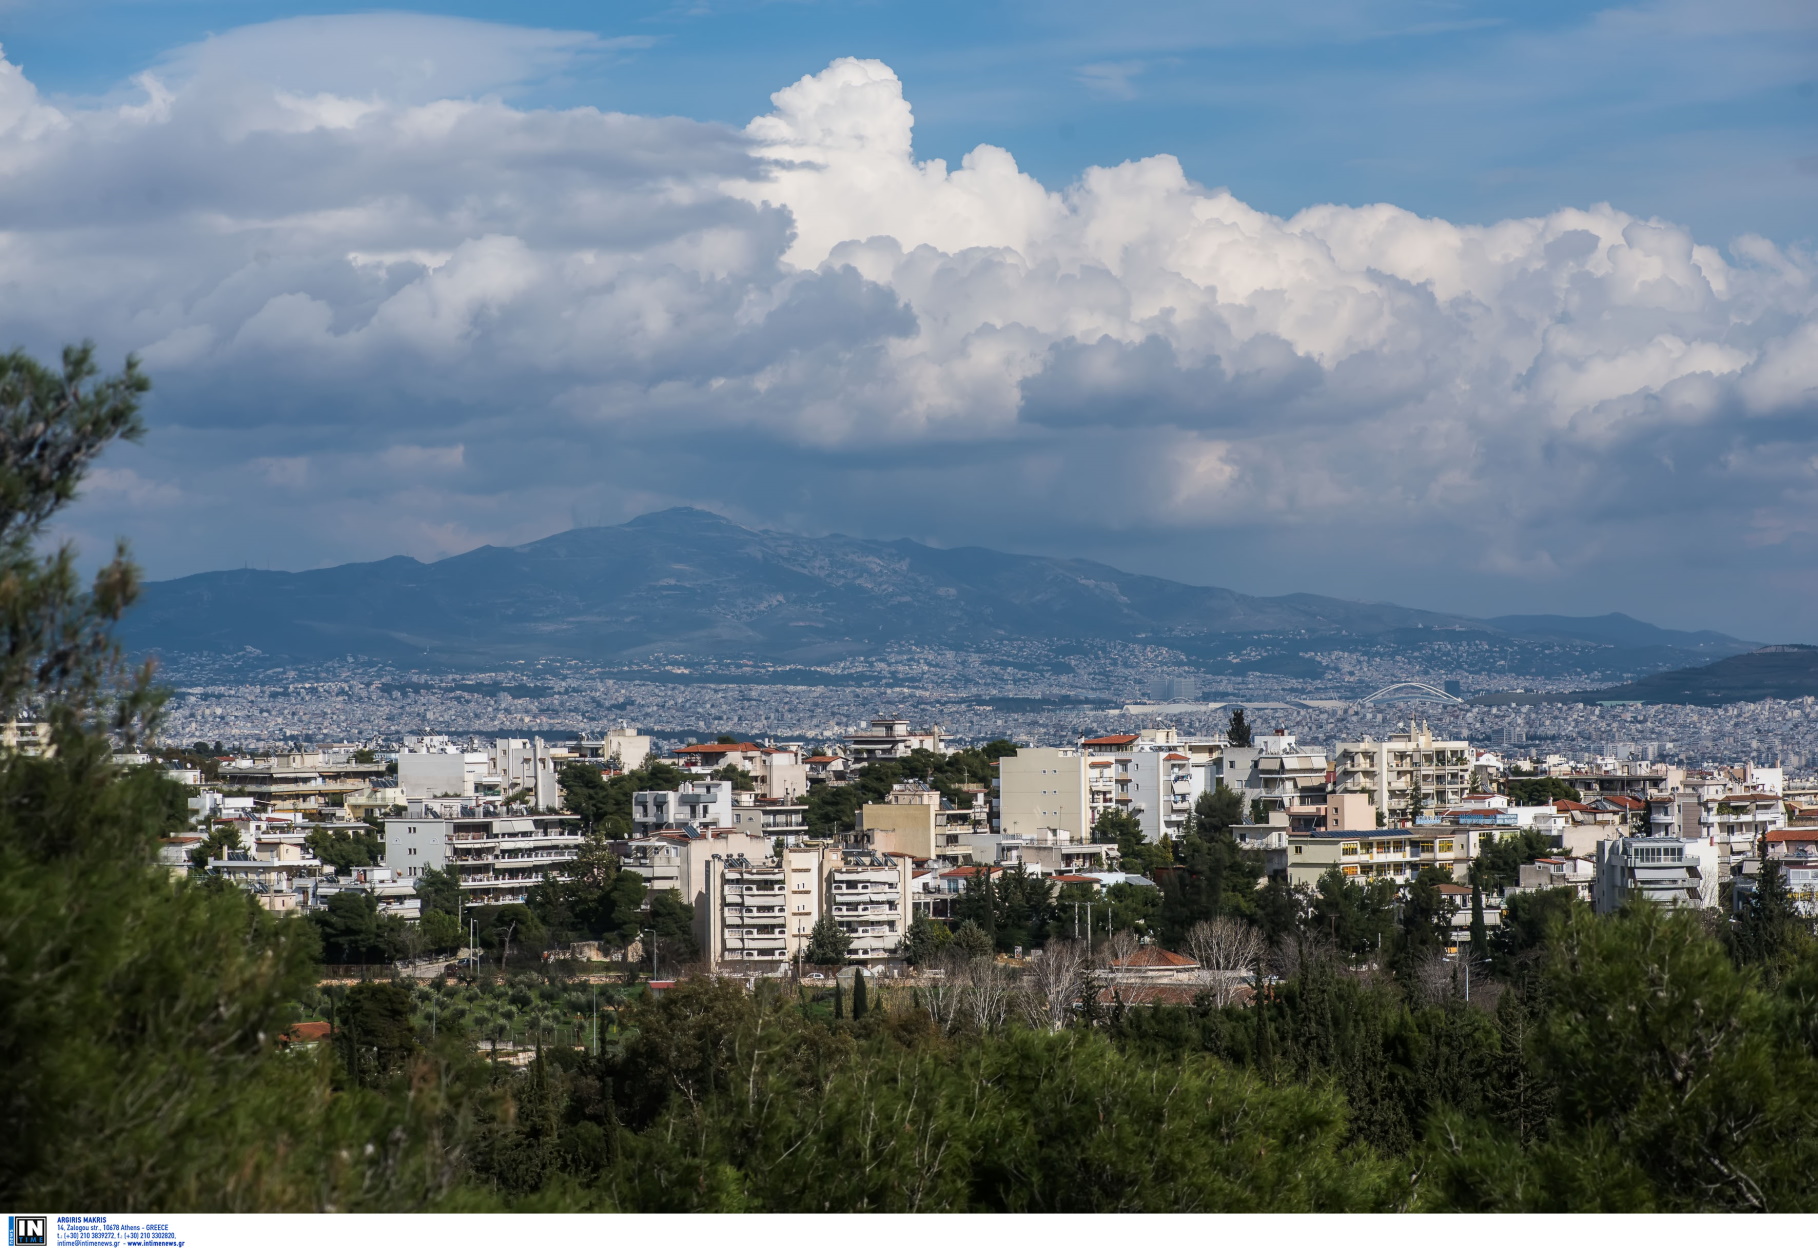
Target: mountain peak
682 520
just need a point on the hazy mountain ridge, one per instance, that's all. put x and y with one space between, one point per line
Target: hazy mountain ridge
688 583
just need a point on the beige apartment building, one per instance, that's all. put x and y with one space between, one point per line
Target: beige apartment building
1044 788
1363 855
915 820
761 912
1390 770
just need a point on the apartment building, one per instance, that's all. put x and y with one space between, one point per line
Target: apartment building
300 780
1366 854
764 816
1673 872
505 769
678 860
497 851
1391 771
1046 788
888 739
701 804
763 910
624 746
1275 771
918 821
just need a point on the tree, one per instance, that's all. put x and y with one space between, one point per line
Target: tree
373 1030
440 888
924 941
1239 733
138 1016
673 923
970 941
1216 810
1224 948
1499 862
1538 791
1480 936
346 849
1770 922
827 943
860 1003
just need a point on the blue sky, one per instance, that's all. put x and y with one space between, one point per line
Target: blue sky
1705 114
1506 308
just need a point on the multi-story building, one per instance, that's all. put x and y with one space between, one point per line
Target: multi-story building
678 860
299 781
888 739
1275 771
1553 872
1673 872
497 851
1363 854
516 770
779 817
918 821
763 911
1796 852
1402 766
624 746
1046 788
701 804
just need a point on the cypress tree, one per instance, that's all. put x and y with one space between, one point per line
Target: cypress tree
1480 936
860 1004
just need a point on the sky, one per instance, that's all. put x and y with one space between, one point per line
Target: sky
1476 307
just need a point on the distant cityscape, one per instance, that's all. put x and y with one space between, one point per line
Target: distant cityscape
248 703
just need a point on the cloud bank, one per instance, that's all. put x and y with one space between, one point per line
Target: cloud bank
387 310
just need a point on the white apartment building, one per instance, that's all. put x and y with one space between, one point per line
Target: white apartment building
762 911
1673 872
498 852
521 769
779 817
1389 770
1275 771
889 739
623 744
701 804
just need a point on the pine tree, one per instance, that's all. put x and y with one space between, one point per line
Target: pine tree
1239 733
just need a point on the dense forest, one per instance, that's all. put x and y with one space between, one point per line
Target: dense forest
1643 1061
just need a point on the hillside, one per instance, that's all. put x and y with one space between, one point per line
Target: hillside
692 583
1776 672
689 584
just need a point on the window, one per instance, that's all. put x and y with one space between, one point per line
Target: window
1300 850
1445 846
1349 848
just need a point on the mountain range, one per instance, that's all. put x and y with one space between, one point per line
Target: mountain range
689 583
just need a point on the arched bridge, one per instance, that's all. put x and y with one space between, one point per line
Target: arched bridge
1410 692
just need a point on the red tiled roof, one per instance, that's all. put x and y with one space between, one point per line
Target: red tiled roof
1154 957
306 1031
1566 805
1175 755
971 870
821 759
1623 800
1158 995
1112 740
